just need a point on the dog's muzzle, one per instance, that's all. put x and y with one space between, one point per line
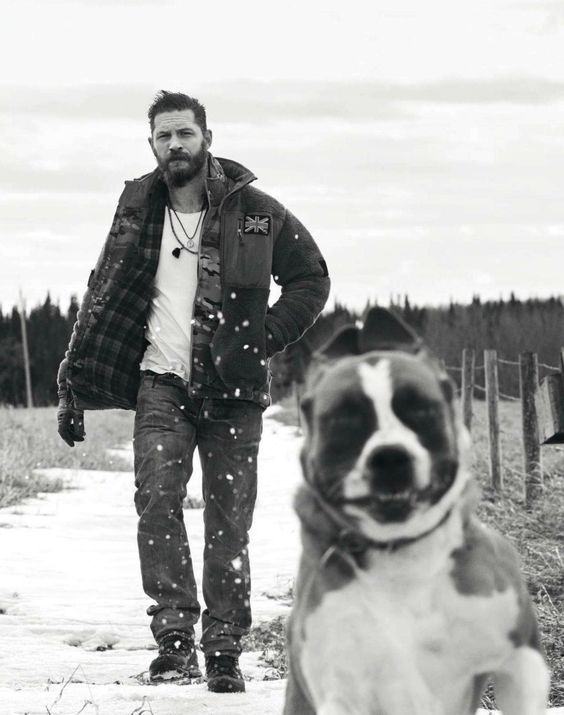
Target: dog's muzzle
389 471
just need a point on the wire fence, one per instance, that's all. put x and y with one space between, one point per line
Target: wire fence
485 382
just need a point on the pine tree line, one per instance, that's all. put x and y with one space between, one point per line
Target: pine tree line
48 332
510 327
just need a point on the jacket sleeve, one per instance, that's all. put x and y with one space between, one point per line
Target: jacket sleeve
299 267
86 305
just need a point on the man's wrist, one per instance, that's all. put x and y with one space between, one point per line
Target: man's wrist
65 396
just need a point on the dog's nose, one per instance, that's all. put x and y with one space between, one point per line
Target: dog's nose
390 469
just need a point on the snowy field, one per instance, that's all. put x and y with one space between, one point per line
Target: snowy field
70 587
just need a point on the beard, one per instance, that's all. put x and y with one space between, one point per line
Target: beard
180 168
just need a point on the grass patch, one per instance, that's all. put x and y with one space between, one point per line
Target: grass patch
29 440
538 535
269 638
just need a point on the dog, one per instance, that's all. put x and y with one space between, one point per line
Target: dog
405 604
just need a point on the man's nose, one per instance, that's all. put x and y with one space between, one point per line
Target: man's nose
174 144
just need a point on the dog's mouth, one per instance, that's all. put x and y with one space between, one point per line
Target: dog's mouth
395 500
387 506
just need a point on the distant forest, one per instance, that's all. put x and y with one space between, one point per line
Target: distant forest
509 327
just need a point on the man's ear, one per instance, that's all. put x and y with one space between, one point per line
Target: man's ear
208 137
150 140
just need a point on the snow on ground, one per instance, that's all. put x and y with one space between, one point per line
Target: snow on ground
70 587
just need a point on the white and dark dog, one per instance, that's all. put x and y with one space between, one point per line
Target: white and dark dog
405 603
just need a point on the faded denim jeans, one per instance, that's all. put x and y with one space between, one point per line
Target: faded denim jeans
168 426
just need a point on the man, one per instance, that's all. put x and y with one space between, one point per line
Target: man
176 325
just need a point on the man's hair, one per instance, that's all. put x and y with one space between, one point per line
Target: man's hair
176 102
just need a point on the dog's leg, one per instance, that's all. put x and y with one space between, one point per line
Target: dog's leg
296 702
521 685
399 698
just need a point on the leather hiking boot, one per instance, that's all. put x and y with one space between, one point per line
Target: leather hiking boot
177 659
224 674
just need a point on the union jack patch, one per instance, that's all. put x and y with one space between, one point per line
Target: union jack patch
257 223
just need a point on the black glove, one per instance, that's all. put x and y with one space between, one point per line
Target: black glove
70 419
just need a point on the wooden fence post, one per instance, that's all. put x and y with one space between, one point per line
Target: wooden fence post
296 388
529 383
492 399
468 364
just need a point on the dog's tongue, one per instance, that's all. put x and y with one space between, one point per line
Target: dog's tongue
383 330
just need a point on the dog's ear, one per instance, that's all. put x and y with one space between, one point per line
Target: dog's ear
344 342
383 330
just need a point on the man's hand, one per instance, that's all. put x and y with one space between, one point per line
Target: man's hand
71 420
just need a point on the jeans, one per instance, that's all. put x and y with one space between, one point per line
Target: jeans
168 426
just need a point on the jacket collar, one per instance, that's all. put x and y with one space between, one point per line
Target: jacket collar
224 177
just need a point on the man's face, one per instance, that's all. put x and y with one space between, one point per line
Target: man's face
179 145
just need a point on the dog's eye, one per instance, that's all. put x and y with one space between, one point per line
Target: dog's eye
420 414
342 420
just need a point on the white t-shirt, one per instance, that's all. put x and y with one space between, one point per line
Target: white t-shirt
169 322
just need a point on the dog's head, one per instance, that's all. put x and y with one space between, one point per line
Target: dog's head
383 440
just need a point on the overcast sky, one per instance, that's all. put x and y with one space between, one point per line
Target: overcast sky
422 143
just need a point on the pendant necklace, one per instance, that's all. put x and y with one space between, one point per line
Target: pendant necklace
190 245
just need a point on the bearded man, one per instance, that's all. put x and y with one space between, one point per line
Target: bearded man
175 324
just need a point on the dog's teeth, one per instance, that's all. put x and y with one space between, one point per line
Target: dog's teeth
400 496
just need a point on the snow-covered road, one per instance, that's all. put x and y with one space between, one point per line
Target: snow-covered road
70 583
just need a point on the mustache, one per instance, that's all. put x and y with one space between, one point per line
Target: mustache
178 155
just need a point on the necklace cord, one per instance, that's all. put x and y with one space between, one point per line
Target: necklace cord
189 246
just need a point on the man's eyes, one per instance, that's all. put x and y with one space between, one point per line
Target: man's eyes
183 133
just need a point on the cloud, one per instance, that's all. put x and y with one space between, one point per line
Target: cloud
253 101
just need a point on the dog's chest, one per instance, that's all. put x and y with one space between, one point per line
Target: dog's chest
406 624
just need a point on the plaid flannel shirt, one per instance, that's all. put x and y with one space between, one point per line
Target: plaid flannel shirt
246 237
